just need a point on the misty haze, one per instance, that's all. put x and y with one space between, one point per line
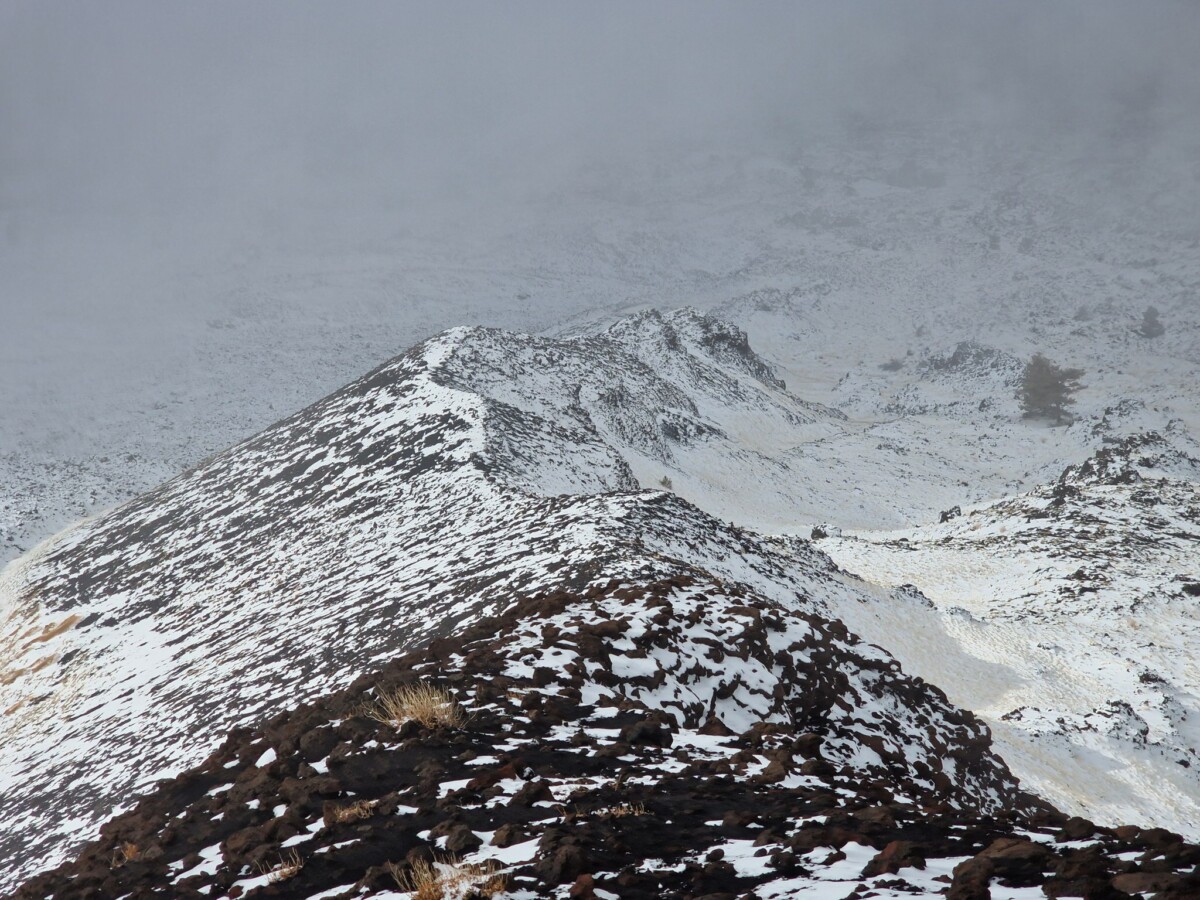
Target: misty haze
405 407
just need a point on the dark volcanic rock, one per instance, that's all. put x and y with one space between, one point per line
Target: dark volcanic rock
635 792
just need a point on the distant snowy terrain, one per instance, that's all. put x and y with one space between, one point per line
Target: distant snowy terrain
842 254
1068 618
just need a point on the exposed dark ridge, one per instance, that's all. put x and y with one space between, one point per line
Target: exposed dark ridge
581 772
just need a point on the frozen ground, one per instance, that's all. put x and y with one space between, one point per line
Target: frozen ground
433 491
1066 617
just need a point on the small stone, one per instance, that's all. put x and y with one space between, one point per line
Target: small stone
737 819
714 727
647 732
1076 828
895 856
1145 882
531 793
566 863
818 768
808 745
584 888
876 815
507 835
971 880
463 840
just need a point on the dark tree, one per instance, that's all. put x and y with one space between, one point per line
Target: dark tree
1046 389
1151 326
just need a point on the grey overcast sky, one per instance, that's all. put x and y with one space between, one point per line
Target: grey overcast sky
135 105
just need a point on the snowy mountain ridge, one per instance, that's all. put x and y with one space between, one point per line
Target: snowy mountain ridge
395 511
485 466
585 755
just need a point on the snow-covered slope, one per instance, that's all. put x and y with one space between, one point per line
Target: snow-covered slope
486 465
839 261
477 468
675 395
1066 617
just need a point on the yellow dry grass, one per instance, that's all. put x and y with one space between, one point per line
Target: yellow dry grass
127 852
290 864
424 703
360 809
51 630
449 879
14 646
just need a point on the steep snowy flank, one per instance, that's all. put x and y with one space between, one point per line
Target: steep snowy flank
485 466
417 499
1066 617
677 395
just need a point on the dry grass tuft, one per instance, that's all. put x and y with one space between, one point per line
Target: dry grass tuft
622 810
449 879
426 704
289 866
360 809
127 852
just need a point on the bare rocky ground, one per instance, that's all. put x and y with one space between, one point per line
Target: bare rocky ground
590 762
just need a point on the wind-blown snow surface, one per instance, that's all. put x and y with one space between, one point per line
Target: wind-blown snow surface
1068 618
476 468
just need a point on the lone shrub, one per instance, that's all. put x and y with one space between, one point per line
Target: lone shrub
1152 326
423 703
359 809
127 852
1046 389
